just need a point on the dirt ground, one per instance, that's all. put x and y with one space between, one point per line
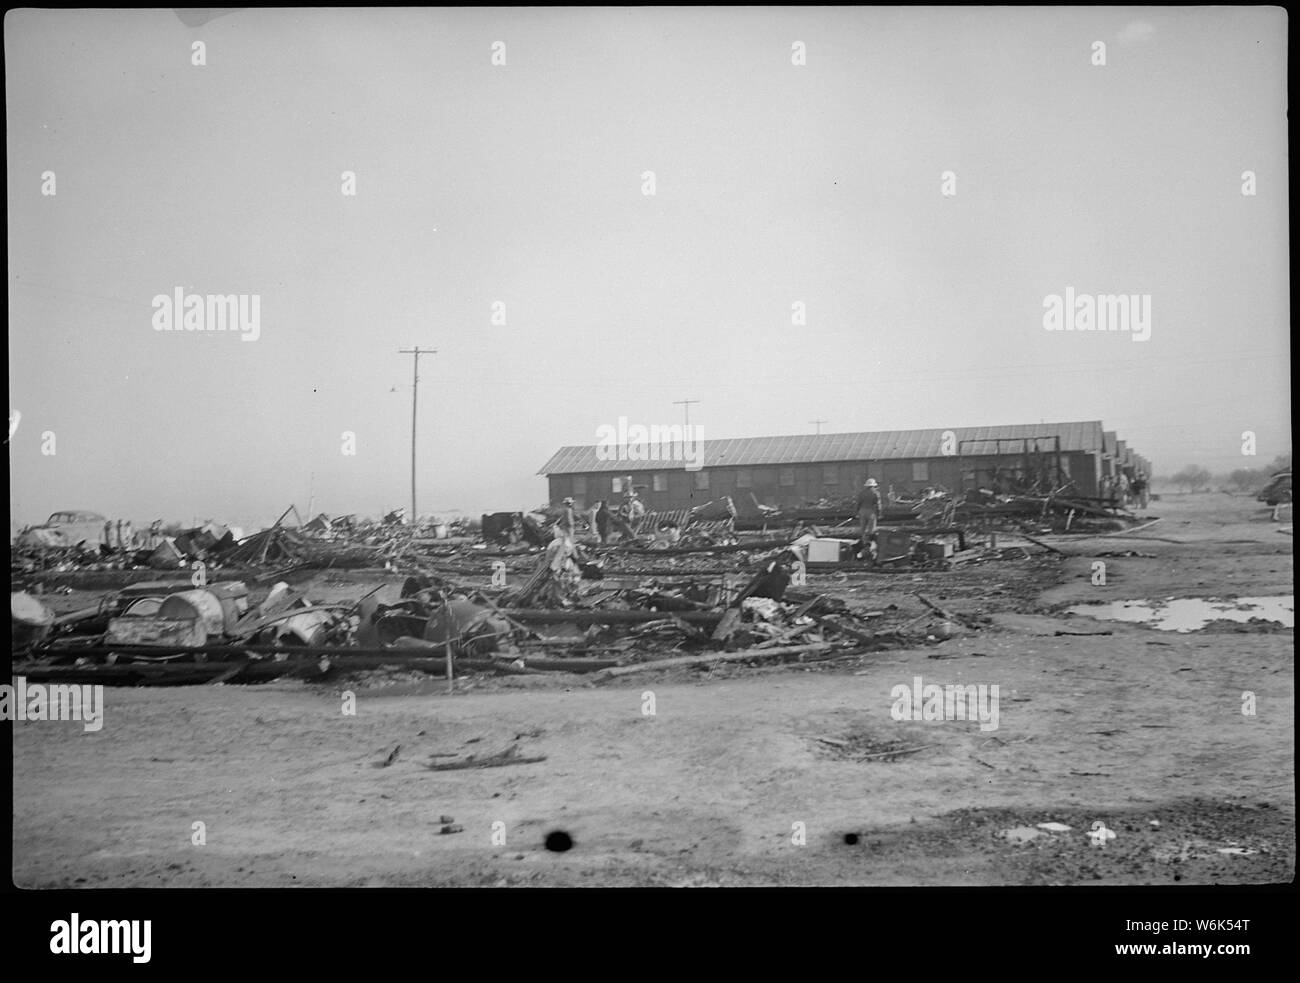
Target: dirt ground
742 775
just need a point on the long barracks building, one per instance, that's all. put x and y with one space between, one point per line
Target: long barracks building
797 471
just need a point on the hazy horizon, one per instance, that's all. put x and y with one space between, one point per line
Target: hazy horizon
522 184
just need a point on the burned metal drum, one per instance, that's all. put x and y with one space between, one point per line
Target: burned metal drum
30 618
143 607
233 596
196 605
142 623
474 629
307 628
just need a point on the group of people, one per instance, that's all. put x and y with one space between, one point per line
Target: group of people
1121 491
601 519
121 534
563 552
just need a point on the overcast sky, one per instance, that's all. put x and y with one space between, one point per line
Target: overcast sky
522 183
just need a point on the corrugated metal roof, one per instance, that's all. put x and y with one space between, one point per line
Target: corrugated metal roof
833 447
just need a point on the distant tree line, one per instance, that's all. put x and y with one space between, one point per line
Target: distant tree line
1195 478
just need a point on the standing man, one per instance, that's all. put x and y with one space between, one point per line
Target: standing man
567 524
624 519
635 507
603 519
560 551
1140 488
868 512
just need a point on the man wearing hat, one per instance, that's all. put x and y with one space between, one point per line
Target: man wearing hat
868 512
561 552
566 526
629 514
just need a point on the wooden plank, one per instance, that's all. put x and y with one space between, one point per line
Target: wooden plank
761 545
510 756
590 616
1039 542
943 611
862 636
890 754
229 674
805 607
1123 532
699 660
727 625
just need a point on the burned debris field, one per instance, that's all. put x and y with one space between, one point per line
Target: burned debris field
630 695
647 447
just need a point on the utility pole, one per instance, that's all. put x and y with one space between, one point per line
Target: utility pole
686 406
819 424
417 351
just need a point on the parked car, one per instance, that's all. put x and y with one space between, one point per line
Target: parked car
1278 489
76 526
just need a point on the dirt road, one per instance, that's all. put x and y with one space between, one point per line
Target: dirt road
739 776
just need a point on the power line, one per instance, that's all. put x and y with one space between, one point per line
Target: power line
686 404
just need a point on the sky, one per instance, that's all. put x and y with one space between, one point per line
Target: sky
500 216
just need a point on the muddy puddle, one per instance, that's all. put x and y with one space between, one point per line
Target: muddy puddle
1183 614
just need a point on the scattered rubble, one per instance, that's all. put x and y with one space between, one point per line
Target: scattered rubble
613 595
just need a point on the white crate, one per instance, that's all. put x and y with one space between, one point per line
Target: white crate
827 550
